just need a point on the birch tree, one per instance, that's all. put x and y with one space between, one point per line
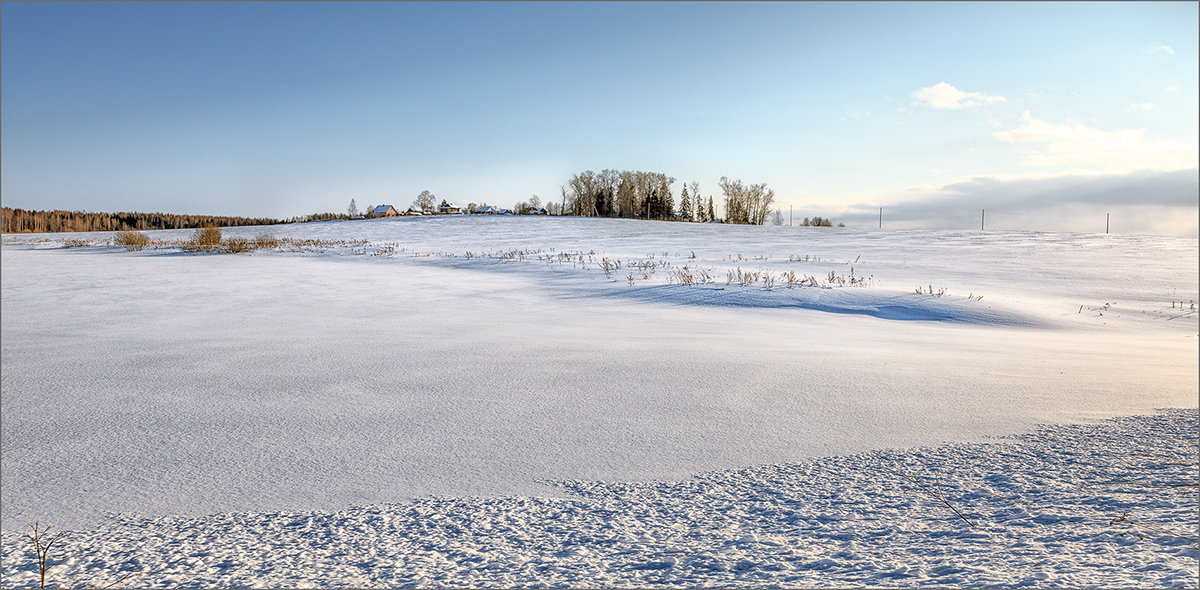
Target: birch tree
746 204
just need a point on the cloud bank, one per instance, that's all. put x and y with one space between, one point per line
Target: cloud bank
1148 202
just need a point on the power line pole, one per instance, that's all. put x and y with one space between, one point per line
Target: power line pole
981 212
1106 220
881 218
789 216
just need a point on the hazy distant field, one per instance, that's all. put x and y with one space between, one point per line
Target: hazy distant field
382 361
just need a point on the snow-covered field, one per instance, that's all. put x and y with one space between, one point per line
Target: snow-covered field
476 401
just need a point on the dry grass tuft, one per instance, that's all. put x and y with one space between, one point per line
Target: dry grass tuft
237 245
265 240
686 276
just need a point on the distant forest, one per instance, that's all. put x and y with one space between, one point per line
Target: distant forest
16 221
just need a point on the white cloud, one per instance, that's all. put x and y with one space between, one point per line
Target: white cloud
1145 106
945 96
1170 90
1161 49
1083 149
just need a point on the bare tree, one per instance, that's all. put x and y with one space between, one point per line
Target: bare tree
735 201
627 195
746 204
353 209
761 199
581 193
424 201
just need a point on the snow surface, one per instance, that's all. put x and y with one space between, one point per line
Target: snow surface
389 360
1041 508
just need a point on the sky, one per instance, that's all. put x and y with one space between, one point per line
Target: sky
1046 116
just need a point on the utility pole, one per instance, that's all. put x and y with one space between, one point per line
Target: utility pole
881 218
789 216
981 212
1107 216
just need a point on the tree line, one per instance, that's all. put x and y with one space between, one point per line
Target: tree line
24 221
608 193
647 195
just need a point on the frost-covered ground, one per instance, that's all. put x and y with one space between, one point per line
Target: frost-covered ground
210 398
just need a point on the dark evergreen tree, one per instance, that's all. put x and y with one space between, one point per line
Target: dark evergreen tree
603 203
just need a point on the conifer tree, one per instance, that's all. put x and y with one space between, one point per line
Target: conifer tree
685 205
712 215
666 203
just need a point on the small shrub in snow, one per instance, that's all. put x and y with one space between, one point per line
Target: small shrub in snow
41 548
132 240
207 236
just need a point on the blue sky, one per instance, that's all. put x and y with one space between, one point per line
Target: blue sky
930 110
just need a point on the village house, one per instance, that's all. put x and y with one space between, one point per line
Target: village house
384 211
